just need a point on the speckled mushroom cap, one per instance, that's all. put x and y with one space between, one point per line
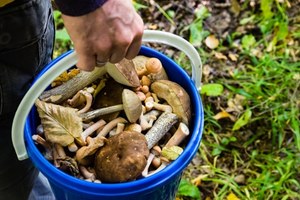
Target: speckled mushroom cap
123 157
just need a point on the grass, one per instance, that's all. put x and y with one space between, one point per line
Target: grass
255 156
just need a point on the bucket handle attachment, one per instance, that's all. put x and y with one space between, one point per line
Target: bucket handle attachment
69 60
180 44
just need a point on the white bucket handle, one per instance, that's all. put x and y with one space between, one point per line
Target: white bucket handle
70 60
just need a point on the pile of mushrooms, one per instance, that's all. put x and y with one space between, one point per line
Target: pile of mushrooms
118 123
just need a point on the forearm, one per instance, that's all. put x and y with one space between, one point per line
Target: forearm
78 7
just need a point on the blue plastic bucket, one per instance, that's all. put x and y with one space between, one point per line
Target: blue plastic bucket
160 186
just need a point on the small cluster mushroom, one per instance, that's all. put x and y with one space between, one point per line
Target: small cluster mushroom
130 121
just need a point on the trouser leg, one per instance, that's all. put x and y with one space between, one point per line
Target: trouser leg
26 43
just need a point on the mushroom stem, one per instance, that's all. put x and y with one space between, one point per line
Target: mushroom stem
150 104
60 151
86 173
72 147
109 126
38 139
86 125
149 161
161 126
88 101
146 123
181 133
162 107
87 132
76 100
58 154
120 128
48 150
161 167
134 127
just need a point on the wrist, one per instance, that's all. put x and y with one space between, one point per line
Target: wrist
78 7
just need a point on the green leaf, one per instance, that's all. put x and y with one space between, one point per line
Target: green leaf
243 120
138 6
225 141
212 89
216 151
246 20
295 128
187 189
282 31
266 8
202 13
248 41
197 33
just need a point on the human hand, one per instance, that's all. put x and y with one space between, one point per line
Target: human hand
108 34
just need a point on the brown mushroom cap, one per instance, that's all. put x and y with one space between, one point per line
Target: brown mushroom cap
123 158
132 105
123 72
176 97
140 62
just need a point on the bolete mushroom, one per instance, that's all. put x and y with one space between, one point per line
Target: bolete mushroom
122 158
132 107
175 96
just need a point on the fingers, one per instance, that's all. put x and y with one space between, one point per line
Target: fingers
86 59
134 48
124 46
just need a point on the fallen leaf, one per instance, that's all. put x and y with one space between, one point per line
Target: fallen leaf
232 196
212 42
223 114
236 103
197 181
61 124
171 153
153 26
220 56
232 56
243 120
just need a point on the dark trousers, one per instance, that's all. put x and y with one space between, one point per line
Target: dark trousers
26 44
